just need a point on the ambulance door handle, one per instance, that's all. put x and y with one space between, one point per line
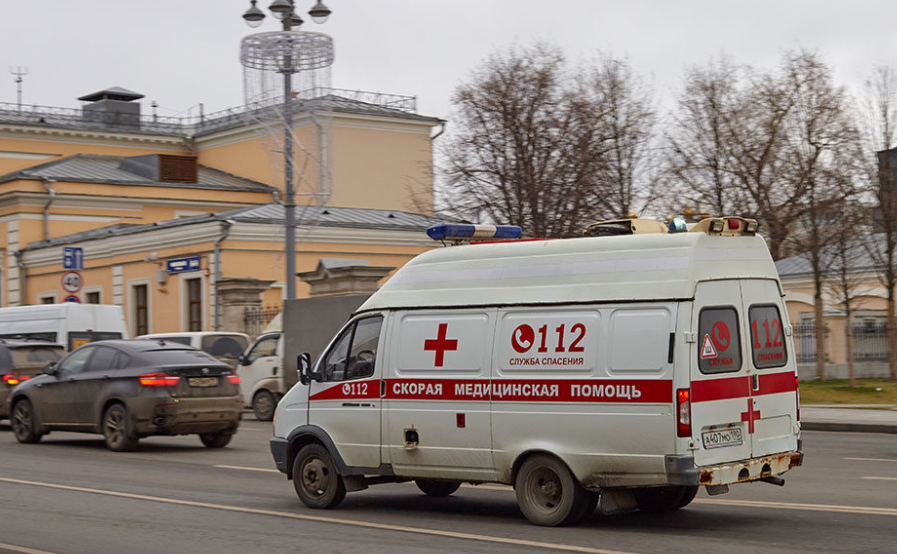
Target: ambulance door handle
382 388
755 382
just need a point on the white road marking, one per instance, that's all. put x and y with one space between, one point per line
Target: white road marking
872 459
23 549
882 478
266 470
321 519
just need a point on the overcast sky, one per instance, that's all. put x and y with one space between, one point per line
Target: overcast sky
183 52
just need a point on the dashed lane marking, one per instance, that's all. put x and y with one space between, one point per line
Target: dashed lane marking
264 469
22 549
882 478
320 519
872 459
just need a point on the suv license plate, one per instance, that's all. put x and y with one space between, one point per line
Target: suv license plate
203 381
730 436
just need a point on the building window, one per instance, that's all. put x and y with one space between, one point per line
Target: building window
47 300
194 305
141 309
92 297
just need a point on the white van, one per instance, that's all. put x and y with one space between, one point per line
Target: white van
68 324
638 367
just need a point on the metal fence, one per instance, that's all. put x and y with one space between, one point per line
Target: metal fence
870 342
255 319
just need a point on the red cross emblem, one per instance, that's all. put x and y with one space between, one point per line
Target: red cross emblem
441 345
750 416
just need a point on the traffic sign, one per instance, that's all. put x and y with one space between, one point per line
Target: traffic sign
72 257
72 281
72 298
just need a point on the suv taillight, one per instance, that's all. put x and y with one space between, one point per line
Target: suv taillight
683 413
234 378
158 379
11 379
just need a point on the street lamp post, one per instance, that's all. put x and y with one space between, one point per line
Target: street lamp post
285 10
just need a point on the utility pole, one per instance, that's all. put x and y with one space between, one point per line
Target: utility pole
19 71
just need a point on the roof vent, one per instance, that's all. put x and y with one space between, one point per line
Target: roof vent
113 107
163 168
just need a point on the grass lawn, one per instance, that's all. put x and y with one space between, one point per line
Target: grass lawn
837 391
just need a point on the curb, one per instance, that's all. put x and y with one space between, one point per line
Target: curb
848 427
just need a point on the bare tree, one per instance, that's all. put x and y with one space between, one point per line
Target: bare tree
880 131
819 136
522 148
700 158
626 116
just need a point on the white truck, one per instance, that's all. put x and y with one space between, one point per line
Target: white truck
619 371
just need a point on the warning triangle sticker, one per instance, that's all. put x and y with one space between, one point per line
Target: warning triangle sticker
708 351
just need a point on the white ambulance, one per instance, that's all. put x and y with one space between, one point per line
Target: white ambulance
623 370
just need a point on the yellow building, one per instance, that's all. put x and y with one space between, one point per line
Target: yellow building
136 192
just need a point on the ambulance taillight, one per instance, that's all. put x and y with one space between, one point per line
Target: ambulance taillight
683 413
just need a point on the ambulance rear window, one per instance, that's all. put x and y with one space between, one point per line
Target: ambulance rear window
719 350
767 337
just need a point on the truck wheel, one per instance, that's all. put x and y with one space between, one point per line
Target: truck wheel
315 478
437 488
263 405
24 424
663 499
547 493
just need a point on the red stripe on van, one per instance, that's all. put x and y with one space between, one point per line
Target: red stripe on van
720 389
774 383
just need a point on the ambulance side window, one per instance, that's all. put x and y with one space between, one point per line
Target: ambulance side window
355 353
719 349
767 337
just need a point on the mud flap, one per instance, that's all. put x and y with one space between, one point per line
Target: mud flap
611 502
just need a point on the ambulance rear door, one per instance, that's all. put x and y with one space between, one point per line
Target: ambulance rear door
720 375
773 380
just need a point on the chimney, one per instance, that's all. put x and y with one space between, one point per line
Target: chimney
114 107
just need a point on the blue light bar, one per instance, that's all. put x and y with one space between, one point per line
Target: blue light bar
458 231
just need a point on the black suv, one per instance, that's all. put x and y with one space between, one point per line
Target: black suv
21 360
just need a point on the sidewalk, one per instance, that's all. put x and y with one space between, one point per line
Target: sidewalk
849 418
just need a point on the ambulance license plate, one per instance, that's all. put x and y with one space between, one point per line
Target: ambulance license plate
203 381
730 436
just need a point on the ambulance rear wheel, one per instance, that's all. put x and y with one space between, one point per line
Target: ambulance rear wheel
315 478
548 494
664 499
437 488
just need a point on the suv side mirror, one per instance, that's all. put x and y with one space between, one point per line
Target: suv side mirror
303 362
50 368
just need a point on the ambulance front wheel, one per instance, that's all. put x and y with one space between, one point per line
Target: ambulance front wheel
437 488
315 478
548 494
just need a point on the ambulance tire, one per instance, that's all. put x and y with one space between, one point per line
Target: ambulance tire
315 478
688 496
437 488
548 494
655 500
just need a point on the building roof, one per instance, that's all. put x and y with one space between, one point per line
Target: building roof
660 266
113 93
270 214
90 168
859 258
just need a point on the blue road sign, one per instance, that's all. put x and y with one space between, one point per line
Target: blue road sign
183 265
72 257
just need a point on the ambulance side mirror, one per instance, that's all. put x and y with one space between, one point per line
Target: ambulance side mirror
303 362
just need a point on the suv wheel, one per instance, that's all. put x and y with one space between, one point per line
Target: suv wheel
24 425
118 429
219 439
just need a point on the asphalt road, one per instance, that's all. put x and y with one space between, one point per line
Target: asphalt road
70 495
